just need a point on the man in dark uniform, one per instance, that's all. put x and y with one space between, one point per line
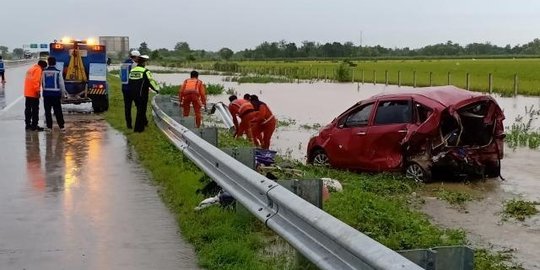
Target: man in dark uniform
140 83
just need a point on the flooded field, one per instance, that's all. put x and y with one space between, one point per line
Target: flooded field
304 104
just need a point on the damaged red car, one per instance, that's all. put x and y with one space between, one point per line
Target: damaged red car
422 131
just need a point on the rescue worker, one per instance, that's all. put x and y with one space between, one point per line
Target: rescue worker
32 92
265 122
125 68
53 91
244 110
193 93
2 70
140 81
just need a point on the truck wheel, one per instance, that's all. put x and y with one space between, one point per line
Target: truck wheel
100 104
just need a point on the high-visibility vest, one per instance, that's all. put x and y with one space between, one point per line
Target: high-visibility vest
52 82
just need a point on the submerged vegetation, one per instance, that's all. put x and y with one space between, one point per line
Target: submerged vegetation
211 89
519 209
522 132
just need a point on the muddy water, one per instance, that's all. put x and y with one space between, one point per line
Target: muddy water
320 102
79 200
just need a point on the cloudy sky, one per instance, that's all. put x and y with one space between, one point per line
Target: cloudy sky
240 24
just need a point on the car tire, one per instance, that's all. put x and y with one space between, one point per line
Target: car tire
320 158
493 170
418 173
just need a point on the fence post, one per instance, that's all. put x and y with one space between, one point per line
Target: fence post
386 77
490 83
362 76
374 77
353 75
449 81
325 74
430 78
399 78
467 83
317 74
515 84
414 78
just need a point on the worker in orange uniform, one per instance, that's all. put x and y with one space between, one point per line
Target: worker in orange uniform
193 93
264 124
243 109
32 92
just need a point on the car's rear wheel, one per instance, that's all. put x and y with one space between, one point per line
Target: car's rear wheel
417 173
320 158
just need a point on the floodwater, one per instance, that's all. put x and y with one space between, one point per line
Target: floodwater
79 199
309 103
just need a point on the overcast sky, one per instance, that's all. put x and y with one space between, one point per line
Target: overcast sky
240 24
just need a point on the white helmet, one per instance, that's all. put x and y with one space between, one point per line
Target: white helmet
135 53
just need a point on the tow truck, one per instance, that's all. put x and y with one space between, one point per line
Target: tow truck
84 66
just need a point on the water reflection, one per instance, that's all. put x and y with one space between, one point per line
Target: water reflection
2 97
35 174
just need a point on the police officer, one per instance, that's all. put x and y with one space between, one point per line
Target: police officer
53 90
2 70
125 68
140 81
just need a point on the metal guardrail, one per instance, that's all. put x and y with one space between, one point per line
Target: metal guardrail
321 238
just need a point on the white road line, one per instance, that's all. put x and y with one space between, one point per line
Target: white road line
11 105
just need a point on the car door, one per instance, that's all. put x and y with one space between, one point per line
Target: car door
345 146
389 127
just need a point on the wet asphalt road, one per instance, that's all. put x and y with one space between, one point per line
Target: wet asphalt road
78 200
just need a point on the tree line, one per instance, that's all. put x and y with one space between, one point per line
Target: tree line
314 50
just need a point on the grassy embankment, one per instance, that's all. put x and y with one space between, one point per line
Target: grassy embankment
503 71
382 206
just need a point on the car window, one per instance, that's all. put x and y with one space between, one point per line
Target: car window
422 112
359 117
393 112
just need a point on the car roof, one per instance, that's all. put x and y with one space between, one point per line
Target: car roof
445 95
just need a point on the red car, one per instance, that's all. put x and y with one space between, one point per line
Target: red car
418 131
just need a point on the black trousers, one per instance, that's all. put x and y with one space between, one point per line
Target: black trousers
54 103
141 102
128 101
31 111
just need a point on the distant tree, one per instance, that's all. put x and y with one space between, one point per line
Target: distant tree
225 53
18 53
182 47
3 50
155 55
143 49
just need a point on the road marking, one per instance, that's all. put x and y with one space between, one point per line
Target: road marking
10 105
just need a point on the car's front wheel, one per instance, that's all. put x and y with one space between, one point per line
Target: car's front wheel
320 158
417 173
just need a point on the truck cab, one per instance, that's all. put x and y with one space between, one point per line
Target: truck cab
84 67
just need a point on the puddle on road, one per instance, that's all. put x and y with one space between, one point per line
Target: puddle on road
320 102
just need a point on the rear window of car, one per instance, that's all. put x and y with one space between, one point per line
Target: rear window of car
393 112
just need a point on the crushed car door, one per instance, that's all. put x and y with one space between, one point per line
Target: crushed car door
346 147
392 118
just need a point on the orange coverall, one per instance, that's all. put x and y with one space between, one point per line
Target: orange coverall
244 109
193 93
264 125
32 82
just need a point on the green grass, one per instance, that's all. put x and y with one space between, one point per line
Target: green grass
378 205
503 71
519 209
455 198
522 132
211 89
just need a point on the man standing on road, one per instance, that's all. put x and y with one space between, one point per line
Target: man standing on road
2 70
193 92
32 92
53 90
140 81
125 68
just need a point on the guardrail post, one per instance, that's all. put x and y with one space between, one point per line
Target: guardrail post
490 83
515 84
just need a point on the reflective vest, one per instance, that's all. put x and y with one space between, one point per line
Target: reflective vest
125 68
52 82
137 82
